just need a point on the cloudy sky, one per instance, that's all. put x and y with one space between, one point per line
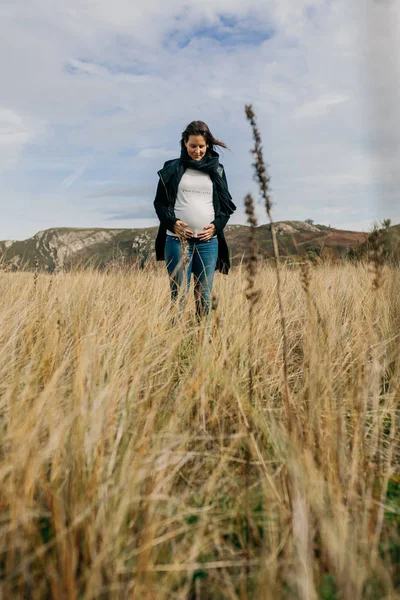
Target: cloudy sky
95 95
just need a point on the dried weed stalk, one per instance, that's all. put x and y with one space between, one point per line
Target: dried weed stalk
252 295
377 257
36 273
262 177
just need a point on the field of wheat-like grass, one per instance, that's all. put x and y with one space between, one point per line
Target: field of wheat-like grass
136 461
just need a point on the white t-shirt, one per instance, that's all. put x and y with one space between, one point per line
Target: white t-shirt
194 201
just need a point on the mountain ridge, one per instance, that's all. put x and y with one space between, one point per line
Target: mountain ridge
62 247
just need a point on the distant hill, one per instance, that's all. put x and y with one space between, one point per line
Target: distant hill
62 248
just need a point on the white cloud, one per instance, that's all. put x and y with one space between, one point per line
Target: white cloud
13 130
320 106
81 67
157 153
339 210
67 182
16 131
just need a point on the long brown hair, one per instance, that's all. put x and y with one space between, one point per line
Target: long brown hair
201 128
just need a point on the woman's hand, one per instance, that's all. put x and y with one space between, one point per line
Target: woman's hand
181 230
207 232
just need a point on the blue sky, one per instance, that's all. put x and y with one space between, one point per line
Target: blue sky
95 96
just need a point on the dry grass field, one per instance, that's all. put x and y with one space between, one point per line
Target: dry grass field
138 461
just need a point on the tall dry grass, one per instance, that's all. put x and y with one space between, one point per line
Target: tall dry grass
133 465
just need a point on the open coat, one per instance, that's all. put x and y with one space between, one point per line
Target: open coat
164 204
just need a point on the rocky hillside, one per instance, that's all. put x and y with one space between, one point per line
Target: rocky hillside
63 248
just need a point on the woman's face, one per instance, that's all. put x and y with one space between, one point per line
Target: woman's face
196 147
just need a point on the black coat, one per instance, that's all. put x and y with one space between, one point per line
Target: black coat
164 203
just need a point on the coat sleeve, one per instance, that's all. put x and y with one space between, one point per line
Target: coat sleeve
221 219
164 211
220 222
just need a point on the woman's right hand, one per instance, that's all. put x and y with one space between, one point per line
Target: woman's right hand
181 230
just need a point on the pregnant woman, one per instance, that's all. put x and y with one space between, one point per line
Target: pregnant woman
193 205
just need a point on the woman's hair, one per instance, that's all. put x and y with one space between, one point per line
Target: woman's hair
201 128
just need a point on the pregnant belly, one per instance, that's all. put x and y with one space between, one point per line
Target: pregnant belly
196 220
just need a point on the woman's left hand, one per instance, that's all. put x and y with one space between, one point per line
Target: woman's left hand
207 233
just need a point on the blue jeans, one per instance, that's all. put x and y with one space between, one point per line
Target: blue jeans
201 261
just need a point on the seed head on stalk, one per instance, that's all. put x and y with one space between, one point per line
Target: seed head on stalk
377 257
261 173
251 293
263 179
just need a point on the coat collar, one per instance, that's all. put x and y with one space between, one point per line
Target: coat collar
168 169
